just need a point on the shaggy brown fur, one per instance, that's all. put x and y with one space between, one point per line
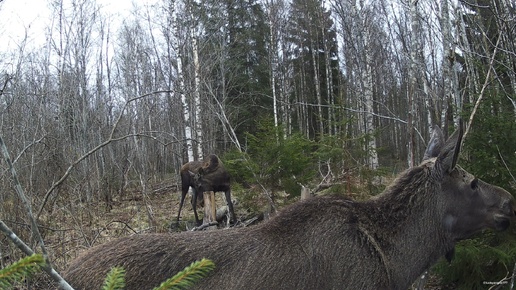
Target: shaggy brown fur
207 175
323 242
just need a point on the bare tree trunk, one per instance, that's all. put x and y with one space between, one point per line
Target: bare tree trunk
332 123
210 208
412 93
182 91
286 88
196 89
273 59
368 98
317 86
450 82
370 130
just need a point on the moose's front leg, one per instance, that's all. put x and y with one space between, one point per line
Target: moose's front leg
194 206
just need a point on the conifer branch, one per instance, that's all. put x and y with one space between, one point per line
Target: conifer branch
20 269
188 276
115 279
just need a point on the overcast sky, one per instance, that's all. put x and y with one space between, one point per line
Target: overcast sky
30 17
18 17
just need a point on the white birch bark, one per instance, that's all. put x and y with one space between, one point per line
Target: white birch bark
412 91
273 59
369 101
186 113
197 94
286 89
317 86
329 89
184 100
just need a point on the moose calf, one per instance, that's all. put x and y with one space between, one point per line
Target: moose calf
207 175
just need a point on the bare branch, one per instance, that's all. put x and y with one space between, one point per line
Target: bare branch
23 198
26 148
484 86
7 80
98 147
505 164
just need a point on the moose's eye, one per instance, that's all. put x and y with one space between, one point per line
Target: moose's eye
474 183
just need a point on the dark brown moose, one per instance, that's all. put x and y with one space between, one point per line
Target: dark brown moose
325 242
207 175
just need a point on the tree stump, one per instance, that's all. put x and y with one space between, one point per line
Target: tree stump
305 193
210 210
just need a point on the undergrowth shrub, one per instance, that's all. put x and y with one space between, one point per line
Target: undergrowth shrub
480 262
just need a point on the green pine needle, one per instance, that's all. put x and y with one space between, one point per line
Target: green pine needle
188 276
20 269
115 279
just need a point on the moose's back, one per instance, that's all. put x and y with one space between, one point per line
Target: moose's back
313 252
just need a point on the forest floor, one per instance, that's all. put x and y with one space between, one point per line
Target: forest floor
81 226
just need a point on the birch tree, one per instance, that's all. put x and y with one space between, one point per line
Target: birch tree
413 93
180 49
358 35
273 18
191 26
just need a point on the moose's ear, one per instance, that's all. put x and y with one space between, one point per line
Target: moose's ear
435 144
450 152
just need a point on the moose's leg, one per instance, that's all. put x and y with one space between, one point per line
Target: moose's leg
183 195
232 217
194 206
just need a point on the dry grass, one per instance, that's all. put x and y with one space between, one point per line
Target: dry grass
72 227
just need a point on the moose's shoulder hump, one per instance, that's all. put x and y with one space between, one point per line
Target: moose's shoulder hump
317 208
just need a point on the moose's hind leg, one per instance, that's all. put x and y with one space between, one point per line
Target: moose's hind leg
194 206
232 217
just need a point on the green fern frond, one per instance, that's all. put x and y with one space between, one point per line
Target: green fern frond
188 276
115 279
20 269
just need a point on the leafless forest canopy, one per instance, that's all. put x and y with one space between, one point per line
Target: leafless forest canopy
106 108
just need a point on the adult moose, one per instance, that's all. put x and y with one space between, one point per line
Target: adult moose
324 242
206 175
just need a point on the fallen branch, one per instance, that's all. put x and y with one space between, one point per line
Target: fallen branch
29 252
203 226
34 226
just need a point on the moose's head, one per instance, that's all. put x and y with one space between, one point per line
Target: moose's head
470 204
197 179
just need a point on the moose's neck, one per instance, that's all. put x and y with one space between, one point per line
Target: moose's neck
416 248
411 235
